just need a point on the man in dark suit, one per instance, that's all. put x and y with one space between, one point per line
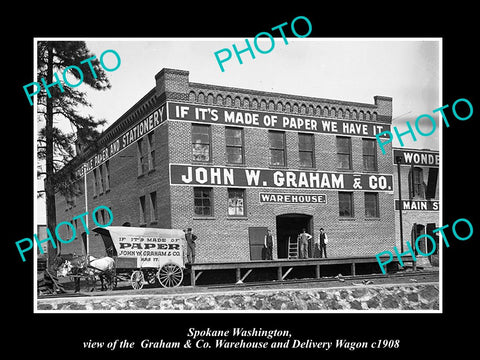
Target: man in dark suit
322 243
268 243
190 245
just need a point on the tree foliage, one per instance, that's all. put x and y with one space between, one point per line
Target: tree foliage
60 105
69 125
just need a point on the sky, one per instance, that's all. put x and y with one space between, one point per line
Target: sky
408 70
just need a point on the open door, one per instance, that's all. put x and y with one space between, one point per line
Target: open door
422 244
290 226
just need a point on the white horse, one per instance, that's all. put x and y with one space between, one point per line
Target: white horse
101 267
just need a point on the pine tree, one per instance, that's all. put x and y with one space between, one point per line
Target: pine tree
55 146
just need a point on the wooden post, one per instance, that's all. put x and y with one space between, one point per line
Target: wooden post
238 274
353 269
317 271
192 277
279 273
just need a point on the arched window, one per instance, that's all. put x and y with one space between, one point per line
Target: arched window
210 98
303 109
310 110
271 105
263 105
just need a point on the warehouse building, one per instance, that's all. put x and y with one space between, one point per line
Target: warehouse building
231 163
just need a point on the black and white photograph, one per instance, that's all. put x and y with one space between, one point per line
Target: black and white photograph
277 189
280 199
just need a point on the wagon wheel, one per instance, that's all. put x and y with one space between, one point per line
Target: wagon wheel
137 279
170 275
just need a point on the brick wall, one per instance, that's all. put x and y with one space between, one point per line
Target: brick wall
123 197
222 238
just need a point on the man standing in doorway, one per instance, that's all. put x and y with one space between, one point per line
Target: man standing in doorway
268 243
303 243
322 242
190 245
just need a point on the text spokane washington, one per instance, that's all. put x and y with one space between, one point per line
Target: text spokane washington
269 334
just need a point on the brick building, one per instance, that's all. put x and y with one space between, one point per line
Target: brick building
420 208
232 162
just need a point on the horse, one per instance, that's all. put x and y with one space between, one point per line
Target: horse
103 267
69 264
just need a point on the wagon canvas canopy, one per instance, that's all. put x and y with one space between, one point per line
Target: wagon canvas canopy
143 247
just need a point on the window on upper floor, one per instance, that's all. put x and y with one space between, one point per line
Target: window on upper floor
277 148
416 183
236 202
234 145
345 204
306 148
203 201
371 205
344 153
369 154
201 143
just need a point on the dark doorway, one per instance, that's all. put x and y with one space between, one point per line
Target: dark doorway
417 230
425 245
290 225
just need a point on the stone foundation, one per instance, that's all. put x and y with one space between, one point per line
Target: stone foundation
386 297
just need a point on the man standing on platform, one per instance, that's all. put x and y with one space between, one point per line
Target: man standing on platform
190 245
322 242
268 243
303 244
